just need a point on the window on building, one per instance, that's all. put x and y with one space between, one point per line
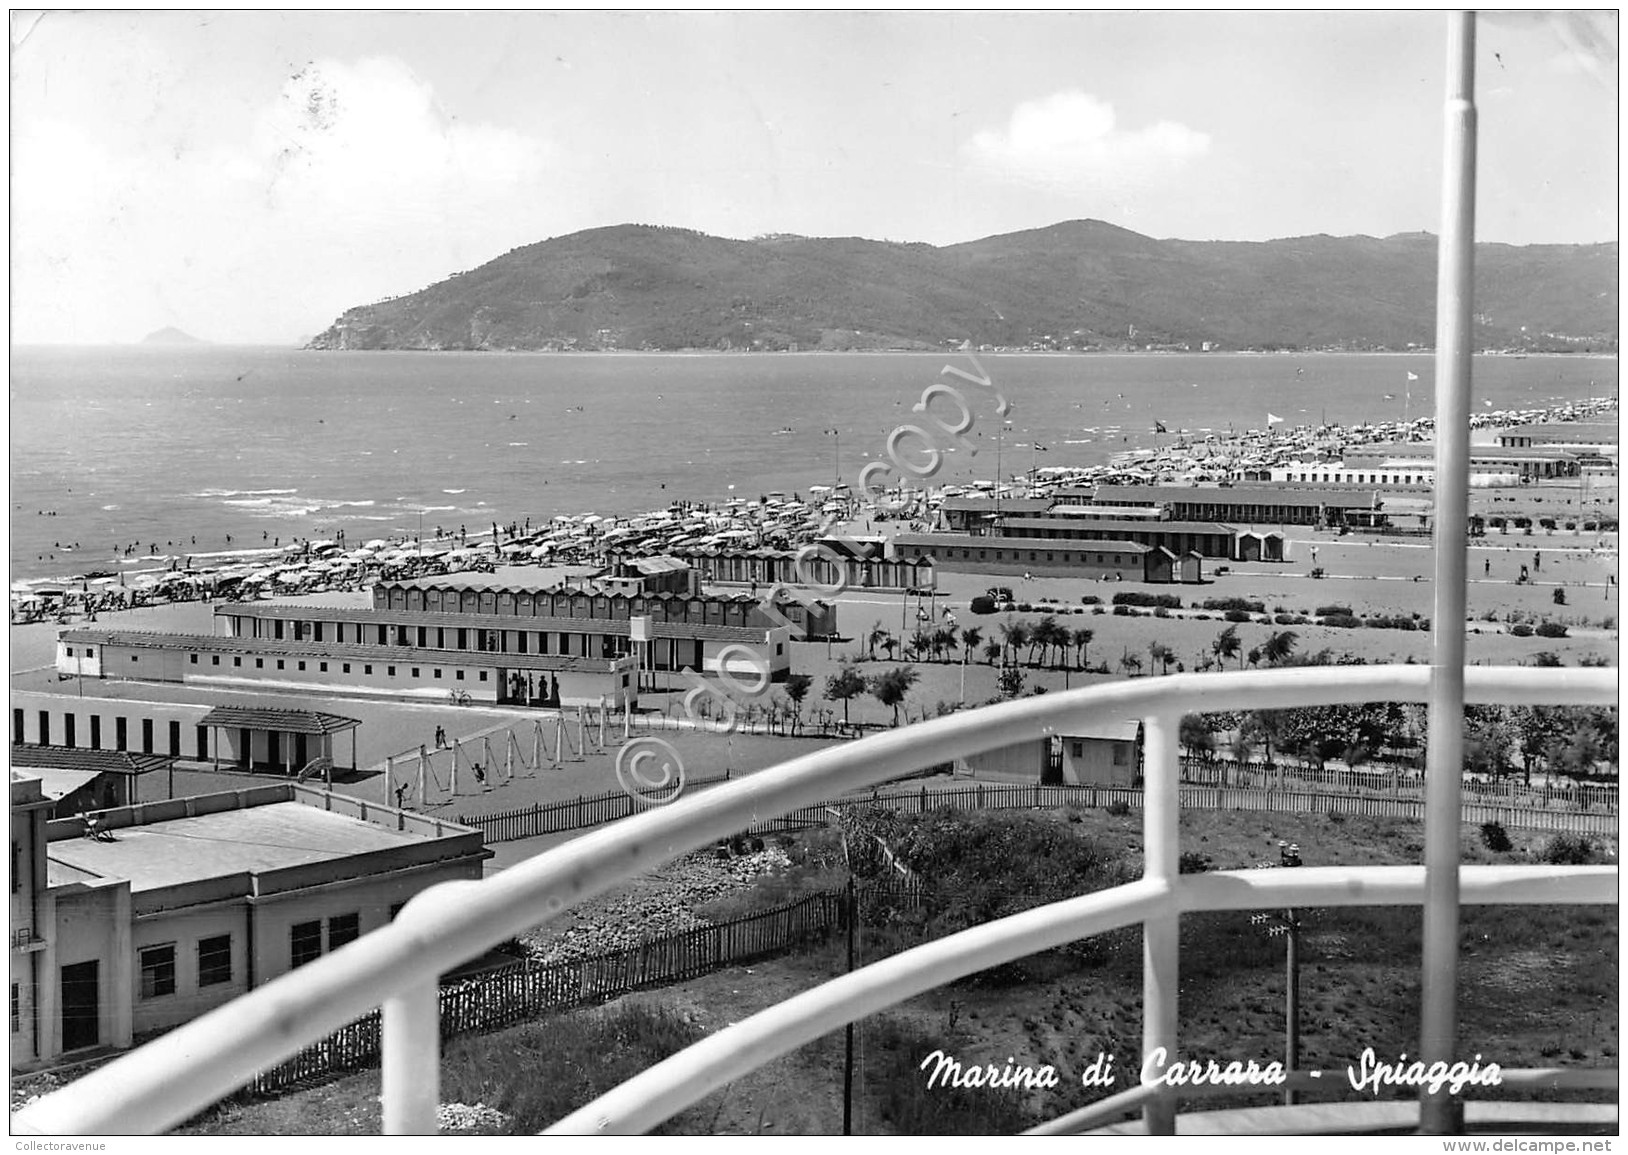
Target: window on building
322 667
304 942
215 960
1122 754
90 651
415 671
367 669
16 866
279 663
16 1008
347 667
1079 749
70 652
343 928
391 671
237 661
437 673
157 970
302 665
214 659
483 675
260 663
458 675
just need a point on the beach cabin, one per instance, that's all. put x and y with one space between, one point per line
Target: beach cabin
1107 753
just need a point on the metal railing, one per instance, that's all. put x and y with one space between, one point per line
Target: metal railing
398 966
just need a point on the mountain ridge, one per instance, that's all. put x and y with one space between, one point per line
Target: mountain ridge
1083 284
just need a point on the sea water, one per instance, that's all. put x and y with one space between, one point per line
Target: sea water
182 447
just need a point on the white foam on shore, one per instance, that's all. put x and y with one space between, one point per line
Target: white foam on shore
241 492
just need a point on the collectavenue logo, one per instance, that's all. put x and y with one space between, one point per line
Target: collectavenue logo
725 696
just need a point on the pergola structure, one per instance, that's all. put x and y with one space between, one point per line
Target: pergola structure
291 740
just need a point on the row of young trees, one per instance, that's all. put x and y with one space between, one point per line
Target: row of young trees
1047 641
1498 740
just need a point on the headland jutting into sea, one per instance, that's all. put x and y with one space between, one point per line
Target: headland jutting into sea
142 574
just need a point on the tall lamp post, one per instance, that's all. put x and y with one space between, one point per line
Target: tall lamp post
1288 925
837 456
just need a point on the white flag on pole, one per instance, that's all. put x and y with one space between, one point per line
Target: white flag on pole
1272 419
1413 376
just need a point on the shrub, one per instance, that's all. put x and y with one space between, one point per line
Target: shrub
1090 600
1098 610
1192 862
1550 630
1341 622
1559 597
1025 608
1494 837
1237 616
1567 850
1334 611
1284 619
1160 612
1139 598
1521 630
1122 611
1546 522
1233 604
1118 809
983 604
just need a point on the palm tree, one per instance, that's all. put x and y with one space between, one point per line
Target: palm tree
970 640
992 651
1279 646
950 641
1254 656
875 638
1161 655
889 643
1227 645
891 687
1082 640
1131 664
1016 635
1040 638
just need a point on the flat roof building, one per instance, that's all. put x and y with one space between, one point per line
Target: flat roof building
137 919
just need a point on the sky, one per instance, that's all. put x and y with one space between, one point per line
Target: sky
246 177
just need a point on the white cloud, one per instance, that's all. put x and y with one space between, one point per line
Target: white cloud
351 183
1071 141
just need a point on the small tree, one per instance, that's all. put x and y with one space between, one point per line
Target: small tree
796 690
1227 645
843 686
1009 682
890 688
993 651
878 636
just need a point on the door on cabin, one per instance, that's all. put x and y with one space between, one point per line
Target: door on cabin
274 751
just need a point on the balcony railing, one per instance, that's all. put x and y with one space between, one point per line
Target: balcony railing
175 1076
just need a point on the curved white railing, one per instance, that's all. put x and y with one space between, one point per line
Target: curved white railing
398 966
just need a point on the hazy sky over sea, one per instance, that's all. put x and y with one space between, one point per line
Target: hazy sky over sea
248 176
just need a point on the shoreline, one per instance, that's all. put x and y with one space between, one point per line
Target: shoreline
577 539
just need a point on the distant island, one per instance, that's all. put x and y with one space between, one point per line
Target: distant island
1076 286
171 336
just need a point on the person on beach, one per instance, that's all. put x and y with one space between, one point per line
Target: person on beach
1486 567
440 737
480 775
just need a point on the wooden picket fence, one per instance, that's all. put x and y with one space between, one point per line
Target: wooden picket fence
1523 810
526 989
1401 783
